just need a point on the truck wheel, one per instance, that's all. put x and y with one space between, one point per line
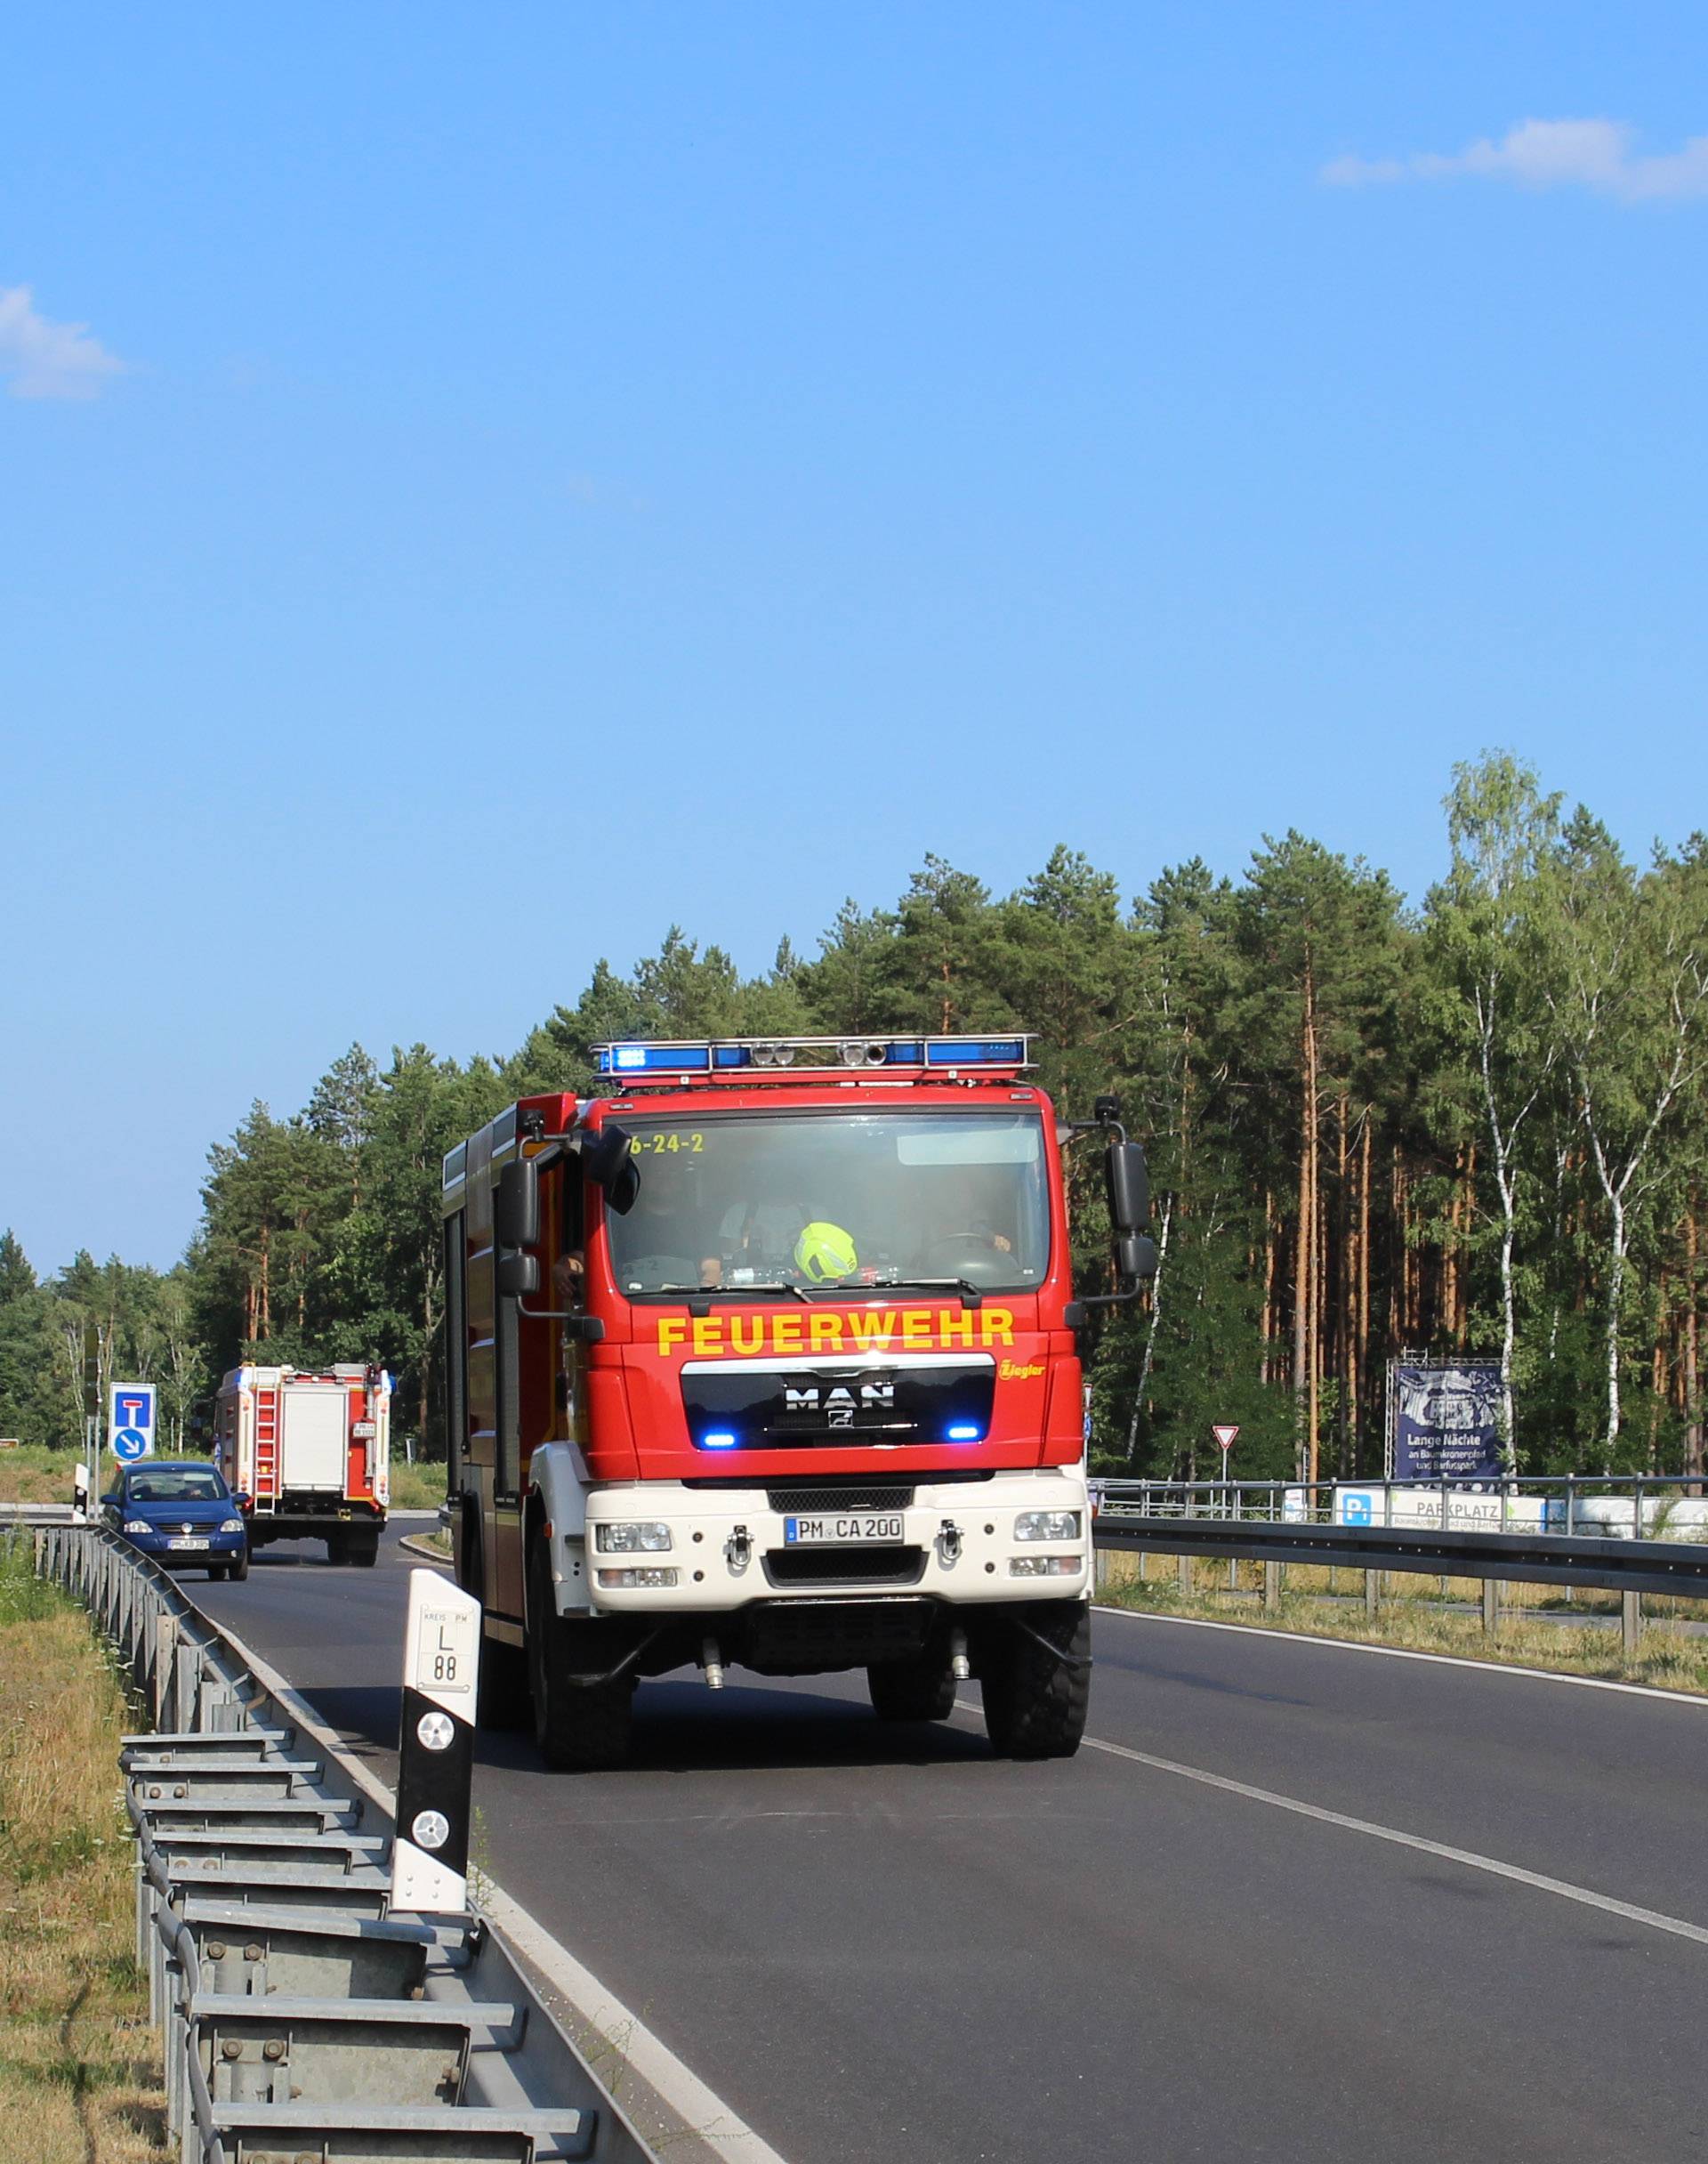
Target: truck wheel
364 1550
578 1728
911 1690
501 1694
1036 1705
337 1547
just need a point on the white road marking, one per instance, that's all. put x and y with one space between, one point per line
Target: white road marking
702 2111
1406 1652
1467 1857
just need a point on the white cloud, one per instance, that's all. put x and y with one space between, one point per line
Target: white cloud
49 360
1594 154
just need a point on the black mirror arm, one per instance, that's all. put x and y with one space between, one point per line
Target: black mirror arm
1078 1314
592 1330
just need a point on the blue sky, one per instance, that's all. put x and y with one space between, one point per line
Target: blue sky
534 474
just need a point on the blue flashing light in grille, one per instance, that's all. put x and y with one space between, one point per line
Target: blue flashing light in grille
718 1439
981 1052
965 1431
731 1056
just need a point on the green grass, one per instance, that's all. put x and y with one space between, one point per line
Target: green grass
79 2071
417 1486
1414 1618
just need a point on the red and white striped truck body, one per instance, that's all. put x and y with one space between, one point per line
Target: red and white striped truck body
312 1450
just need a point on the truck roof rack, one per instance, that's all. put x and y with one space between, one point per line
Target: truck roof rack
776 1059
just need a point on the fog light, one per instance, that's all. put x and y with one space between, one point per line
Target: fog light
645 1536
1044 1566
641 1580
1047 1525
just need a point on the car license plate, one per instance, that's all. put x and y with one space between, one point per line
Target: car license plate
846 1527
187 1541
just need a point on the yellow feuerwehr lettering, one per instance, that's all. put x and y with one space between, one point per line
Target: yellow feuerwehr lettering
915 1328
708 1336
995 1326
954 1329
785 1334
671 1331
872 1333
746 1333
826 1332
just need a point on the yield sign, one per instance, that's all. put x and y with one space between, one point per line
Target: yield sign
1227 1435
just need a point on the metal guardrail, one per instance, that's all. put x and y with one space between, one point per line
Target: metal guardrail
1275 1522
303 2018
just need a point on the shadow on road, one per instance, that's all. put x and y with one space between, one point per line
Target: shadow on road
677 1731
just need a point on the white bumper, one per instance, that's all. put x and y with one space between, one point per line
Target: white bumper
728 1548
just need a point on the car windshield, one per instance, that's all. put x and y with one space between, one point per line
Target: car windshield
797 1201
177 1484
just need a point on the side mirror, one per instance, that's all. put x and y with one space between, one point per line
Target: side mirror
516 1206
244 1500
604 1155
112 1498
1135 1257
517 1274
1129 1187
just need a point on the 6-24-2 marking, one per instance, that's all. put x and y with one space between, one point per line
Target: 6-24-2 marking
665 1143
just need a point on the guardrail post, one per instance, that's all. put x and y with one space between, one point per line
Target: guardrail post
1631 1623
1372 1593
1271 1587
165 1646
1186 1578
1491 1605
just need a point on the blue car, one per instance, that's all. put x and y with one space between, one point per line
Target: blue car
180 1512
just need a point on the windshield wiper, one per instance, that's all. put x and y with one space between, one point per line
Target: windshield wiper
708 1292
972 1295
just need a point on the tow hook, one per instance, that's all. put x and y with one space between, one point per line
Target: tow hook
960 1666
949 1541
738 1549
712 1661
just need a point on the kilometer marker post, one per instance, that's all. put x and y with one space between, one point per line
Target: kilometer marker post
430 1850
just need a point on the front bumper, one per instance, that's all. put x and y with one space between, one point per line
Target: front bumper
222 1548
728 1548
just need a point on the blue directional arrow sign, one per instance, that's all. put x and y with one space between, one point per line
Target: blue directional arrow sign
131 1421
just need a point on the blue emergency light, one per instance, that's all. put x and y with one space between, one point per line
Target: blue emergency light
770 1058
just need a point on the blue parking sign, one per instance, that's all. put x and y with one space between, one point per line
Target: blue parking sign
131 1409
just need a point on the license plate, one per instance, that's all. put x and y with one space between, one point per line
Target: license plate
847 1527
187 1541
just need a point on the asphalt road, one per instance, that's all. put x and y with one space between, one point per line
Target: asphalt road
877 1941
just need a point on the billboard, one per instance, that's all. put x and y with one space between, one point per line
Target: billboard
1444 1419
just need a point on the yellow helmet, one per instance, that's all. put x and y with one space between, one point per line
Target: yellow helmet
823 1252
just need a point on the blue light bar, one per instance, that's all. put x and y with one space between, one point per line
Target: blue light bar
654 1059
963 1431
718 1439
976 1052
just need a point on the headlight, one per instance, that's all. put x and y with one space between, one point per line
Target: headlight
1047 1525
1044 1566
635 1580
231 1525
138 1525
647 1536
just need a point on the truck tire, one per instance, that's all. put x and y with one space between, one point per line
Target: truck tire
501 1701
1034 1704
338 1548
578 1728
911 1690
363 1550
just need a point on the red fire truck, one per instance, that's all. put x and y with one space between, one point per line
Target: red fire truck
311 1449
766 1356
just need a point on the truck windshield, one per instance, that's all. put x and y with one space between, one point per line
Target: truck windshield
802 1200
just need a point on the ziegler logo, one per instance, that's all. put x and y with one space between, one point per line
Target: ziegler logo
1019 1372
837 1402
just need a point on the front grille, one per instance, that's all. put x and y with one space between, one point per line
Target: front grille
850 1566
850 1497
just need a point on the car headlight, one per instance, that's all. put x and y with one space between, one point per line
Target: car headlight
1047 1525
138 1525
645 1536
231 1525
